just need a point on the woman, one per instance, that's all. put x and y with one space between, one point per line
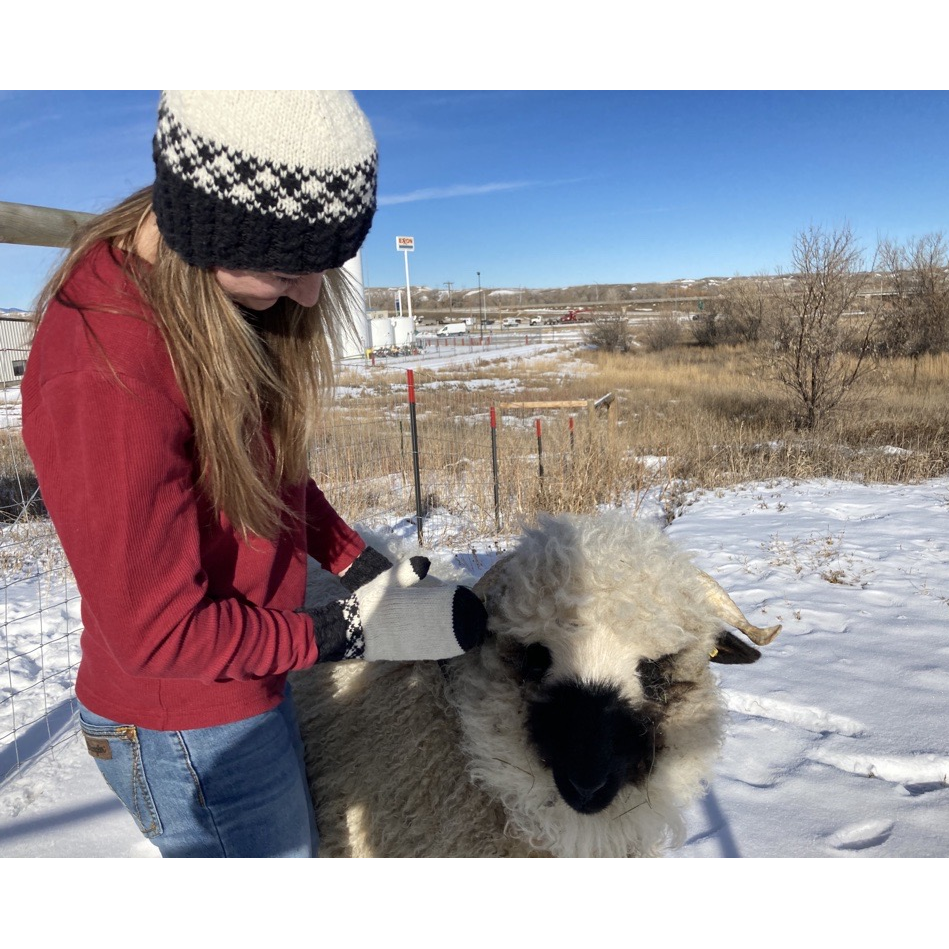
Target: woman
180 353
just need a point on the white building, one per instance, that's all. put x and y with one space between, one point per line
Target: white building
15 334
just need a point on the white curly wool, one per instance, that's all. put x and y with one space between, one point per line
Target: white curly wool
416 759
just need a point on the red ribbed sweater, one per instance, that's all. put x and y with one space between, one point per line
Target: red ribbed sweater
184 624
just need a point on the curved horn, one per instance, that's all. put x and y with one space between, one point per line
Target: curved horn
727 610
490 579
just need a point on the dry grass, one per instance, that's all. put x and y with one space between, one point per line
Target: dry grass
686 418
719 419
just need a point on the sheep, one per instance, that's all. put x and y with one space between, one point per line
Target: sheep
582 727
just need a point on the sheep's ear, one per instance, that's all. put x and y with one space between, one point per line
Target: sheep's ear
732 651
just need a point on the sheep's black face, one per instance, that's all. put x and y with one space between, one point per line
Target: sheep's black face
593 741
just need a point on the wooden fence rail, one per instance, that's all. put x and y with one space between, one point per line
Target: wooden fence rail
607 401
38 227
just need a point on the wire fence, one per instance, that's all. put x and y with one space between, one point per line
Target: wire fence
41 625
458 461
460 465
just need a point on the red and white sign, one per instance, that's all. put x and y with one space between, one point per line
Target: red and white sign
405 243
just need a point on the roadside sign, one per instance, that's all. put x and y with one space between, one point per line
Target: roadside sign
405 243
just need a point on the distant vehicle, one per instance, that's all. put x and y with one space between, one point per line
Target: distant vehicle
537 321
575 316
509 322
452 329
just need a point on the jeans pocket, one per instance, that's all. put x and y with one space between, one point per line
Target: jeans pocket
118 755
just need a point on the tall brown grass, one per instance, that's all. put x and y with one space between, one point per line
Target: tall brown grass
687 418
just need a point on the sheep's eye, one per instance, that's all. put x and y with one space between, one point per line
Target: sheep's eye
535 662
654 675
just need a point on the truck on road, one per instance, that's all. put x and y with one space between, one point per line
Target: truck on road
452 329
575 316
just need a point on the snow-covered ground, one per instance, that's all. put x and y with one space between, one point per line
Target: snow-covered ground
837 745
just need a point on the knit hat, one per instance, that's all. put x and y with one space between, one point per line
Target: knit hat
264 180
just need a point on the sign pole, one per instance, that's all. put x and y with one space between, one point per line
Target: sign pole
405 244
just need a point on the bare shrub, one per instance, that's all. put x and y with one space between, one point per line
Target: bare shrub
915 308
743 309
711 327
660 333
812 324
610 333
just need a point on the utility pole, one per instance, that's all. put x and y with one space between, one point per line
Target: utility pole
480 304
449 285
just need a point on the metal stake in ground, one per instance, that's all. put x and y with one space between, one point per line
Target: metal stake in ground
413 425
494 469
540 450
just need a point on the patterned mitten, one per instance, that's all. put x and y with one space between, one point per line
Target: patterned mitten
397 613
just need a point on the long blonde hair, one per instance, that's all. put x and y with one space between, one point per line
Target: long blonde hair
254 392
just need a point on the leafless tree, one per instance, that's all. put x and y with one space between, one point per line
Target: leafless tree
737 315
744 308
610 333
822 344
709 327
915 316
661 332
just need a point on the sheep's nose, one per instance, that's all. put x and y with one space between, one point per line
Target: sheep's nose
587 787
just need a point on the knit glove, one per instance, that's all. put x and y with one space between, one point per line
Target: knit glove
396 612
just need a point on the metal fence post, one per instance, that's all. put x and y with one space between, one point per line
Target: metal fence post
540 450
494 469
415 466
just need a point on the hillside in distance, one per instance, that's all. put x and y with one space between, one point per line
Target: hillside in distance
594 295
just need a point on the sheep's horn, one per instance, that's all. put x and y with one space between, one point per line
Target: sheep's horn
490 579
726 609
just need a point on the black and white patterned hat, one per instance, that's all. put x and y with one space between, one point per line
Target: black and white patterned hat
264 180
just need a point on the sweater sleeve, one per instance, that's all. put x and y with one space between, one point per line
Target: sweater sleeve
117 474
330 540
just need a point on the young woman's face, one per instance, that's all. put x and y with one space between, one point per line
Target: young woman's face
259 291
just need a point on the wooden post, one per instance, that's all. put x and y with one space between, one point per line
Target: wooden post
607 401
39 227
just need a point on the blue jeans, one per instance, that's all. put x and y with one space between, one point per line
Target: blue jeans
234 790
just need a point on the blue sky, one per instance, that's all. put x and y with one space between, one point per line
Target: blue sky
550 188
